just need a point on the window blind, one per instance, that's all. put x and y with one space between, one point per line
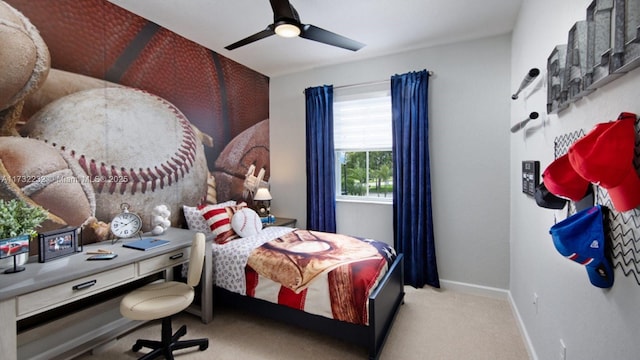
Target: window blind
362 122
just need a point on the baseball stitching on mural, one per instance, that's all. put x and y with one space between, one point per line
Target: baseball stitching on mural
112 178
108 177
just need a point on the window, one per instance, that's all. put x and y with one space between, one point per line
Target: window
362 142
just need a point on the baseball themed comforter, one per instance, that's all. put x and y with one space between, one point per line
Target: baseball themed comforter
326 274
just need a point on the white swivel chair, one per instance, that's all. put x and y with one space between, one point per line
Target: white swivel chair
161 301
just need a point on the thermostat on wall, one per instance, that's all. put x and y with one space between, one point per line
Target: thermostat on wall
530 176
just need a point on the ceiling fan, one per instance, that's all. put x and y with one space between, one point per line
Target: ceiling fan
286 23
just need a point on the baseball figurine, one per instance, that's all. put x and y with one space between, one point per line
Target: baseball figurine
160 219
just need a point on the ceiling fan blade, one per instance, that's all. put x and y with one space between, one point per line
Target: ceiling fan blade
315 33
282 9
255 37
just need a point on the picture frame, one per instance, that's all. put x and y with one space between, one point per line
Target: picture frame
57 243
14 246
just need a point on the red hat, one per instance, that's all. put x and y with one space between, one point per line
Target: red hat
562 180
605 157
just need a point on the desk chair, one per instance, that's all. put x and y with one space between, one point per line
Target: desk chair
161 301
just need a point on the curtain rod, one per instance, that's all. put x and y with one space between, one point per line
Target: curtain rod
375 82
362 84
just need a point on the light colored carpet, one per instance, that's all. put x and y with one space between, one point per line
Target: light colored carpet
432 324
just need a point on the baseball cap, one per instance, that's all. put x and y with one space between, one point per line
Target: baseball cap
581 238
561 179
546 199
605 157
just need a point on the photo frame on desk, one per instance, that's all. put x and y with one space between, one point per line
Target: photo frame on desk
57 243
14 246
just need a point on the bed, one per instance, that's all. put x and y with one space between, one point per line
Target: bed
241 281
313 292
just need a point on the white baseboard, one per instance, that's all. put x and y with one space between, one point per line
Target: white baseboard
474 289
498 294
523 330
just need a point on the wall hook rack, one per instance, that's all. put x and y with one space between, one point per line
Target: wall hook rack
623 227
519 126
531 75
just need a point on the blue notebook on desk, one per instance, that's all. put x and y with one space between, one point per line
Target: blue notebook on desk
145 244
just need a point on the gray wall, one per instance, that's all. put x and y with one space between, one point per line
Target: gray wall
593 323
469 144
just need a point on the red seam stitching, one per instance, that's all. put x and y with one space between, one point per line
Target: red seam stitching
171 171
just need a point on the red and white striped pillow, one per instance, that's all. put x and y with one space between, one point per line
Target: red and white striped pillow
193 215
218 219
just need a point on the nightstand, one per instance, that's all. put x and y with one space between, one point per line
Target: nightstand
281 221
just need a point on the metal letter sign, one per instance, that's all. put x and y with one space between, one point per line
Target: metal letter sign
594 54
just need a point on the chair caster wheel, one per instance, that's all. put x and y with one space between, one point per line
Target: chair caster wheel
136 347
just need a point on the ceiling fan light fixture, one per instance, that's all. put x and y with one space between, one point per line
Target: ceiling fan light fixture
286 23
287 30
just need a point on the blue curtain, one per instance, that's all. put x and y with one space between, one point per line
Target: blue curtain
412 219
321 186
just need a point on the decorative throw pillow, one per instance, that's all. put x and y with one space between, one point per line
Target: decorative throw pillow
246 222
194 219
219 221
193 215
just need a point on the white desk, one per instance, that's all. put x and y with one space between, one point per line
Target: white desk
45 287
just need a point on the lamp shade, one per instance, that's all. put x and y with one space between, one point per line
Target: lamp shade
262 194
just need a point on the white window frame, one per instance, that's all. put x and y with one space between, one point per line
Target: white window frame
381 91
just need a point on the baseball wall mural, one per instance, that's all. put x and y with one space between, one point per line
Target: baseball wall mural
100 107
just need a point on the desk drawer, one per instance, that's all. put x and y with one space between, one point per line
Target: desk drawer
73 290
163 261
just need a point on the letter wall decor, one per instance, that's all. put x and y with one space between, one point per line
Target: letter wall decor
599 50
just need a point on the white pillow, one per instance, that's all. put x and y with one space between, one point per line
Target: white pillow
193 215
246 222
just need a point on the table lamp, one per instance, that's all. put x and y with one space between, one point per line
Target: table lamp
262 200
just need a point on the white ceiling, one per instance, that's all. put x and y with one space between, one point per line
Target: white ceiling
386 26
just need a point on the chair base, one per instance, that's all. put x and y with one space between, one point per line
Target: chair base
168 343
